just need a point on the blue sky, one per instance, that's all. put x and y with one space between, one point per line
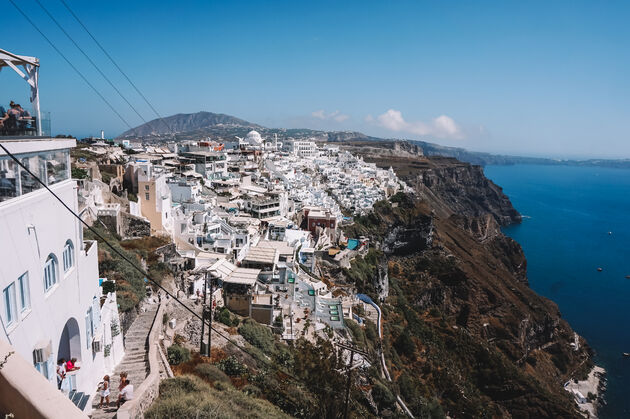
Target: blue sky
547 78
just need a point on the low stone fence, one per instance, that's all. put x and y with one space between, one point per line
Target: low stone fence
149 389
25 393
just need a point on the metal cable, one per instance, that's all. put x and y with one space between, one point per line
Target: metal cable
70 64
117 66
90 60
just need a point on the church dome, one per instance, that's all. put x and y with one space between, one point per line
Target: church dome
254 137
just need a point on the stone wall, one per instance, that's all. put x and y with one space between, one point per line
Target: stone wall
167 252
25 393
262 313
133 226
112 223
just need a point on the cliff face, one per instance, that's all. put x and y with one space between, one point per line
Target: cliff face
482 342
465 190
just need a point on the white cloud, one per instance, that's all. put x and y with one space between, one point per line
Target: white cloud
335 116
442 127
320 114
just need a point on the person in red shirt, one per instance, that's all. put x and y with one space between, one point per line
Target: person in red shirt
71 365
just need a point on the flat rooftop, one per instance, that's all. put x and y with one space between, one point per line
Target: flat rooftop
266 255
243 276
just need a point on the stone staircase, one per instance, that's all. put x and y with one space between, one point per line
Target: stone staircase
79 399
135 362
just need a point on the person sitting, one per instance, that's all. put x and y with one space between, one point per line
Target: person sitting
24 117
125 394
3 116
72 365
13 114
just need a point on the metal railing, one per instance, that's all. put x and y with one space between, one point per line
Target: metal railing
26 126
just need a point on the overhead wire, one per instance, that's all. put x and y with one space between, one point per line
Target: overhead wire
136 267
71 65
90 228
117 66
89 59
156 283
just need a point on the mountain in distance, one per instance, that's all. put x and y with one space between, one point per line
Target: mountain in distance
182 127
186 123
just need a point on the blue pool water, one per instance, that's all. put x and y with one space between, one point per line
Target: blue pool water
569 212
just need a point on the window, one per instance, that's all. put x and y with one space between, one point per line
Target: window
146 196
68 256
9 179
50 272
10 309
25 292
89 328
46 368
146 187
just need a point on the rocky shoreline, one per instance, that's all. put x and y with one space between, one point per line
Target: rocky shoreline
589 393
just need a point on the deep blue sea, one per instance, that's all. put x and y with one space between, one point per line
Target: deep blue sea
569 212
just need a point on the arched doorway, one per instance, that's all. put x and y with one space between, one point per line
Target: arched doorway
70 341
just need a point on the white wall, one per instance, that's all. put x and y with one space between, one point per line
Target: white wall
34 226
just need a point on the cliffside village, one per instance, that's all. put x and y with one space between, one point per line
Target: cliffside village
251 216
246 222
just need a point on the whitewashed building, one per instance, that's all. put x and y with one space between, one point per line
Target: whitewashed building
51 303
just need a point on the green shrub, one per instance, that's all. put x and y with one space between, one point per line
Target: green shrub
432 410
188 397
371 332
358 335
129 283
232 366
383 396
178 354
257 335
78 173
108 286
252 390
224 316
211 373
404 344
283 355
174 386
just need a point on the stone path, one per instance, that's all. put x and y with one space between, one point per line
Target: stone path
135 362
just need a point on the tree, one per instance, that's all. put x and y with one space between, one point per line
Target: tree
404 344
317 365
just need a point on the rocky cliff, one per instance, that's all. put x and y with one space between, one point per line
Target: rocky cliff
461 324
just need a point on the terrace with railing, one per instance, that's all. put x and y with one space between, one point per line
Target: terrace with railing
14 120
13 126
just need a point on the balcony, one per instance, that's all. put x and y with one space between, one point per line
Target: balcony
51 167
26 127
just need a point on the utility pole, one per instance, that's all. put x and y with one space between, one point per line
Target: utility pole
202 350
210 309
349 372
352 350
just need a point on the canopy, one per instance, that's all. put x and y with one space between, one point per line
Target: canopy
31 67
